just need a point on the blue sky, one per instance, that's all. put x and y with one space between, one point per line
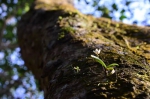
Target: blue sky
138 7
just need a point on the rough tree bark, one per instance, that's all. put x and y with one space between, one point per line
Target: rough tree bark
56 42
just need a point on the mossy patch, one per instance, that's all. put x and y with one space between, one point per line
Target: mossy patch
61 35
68 29
64 31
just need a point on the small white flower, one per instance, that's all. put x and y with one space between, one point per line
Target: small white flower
112 72
97 51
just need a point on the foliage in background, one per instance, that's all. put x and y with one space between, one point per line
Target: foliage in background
128 11
15 79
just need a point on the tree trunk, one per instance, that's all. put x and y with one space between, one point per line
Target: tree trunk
57 42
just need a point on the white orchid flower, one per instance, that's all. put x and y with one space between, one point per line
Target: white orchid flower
97 51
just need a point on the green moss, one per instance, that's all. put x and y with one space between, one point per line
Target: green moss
64 31
60 17
61 35
68 29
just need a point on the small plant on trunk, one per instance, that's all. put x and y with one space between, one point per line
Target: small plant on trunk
109 67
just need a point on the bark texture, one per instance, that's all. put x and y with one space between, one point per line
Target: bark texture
56 42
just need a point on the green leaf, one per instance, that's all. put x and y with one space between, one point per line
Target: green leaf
99 61
122 11
114 6
112 65
122 17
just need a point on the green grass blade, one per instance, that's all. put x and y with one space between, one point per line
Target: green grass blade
99 61
112 65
